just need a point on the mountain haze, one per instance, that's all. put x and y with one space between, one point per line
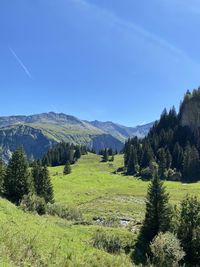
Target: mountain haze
37 133
121 132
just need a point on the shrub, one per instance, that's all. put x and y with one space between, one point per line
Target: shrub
67 168
69 213
112 242
33 203
147 173
173 175
107 242
166 250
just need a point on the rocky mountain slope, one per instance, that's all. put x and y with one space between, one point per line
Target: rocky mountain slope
121 132
36 133
190 110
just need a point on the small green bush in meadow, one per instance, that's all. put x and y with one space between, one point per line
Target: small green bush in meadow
111 242
69 213
33 203
166 250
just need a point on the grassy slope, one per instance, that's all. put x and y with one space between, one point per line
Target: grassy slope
97 192
65 132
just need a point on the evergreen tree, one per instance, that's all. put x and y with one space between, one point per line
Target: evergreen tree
157 216
61 153
127 152
71 156
2 175
67 168
105 155
170 145
147 156
162 162
132 167
188 229
195 164
191 164
47 192
77 153
177 159
110 152
168 159
112 158
187 161
17 182
42 182
37 177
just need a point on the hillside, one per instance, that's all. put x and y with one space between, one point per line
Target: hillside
36 133
172 144
111 202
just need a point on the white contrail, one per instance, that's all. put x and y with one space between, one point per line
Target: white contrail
21 63
134 27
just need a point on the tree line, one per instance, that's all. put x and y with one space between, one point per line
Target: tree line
107 154
18 180
170 147
62 153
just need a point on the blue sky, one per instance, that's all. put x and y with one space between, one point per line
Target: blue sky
119 60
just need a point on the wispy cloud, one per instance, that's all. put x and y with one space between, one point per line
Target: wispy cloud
19 61
113 19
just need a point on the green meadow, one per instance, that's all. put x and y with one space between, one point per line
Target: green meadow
108 201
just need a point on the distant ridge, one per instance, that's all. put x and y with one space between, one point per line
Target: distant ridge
122 132
36 133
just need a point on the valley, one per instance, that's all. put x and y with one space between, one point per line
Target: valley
105 201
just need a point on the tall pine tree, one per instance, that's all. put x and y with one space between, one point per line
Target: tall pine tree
105 155
67 168
48 193
157 217
188 227
2 175
162 162
42 182
132 167
17 182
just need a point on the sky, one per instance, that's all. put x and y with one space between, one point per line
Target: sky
108 60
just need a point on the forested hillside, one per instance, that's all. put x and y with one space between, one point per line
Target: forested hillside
172 145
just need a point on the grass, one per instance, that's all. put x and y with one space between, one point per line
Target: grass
98 192
102 196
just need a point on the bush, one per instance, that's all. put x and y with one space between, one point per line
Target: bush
146 173
166 250
67 168
69 213
33 203
173 175
112 242
108 242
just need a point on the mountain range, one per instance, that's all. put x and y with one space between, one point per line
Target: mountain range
37 133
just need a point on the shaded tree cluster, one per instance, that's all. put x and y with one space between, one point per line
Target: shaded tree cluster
107 154
17 180
170 147
62 153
